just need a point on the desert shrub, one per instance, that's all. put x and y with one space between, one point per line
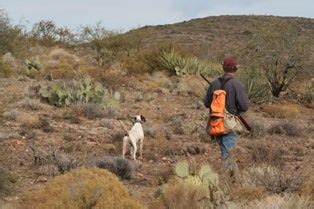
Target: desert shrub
63 162
5 70
27 133
72 115
11 114
45 125
121 167
261 153
273 179
258 130
287 201
92 111
282 111
60 64
48 170
30 104
6 181
81 188
285 128
29 120
136 64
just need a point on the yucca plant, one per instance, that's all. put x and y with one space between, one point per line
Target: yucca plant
180 65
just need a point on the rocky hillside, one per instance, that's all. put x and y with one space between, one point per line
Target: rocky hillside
215 36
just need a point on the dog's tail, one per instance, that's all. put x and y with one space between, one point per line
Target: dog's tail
124 127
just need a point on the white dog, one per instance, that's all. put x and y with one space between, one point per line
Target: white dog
135 135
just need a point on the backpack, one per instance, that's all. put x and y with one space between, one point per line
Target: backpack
221 121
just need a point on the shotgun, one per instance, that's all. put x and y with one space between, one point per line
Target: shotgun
247 126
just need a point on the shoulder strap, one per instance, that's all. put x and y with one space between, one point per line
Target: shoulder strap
223 82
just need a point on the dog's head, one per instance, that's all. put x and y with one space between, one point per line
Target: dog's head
139 118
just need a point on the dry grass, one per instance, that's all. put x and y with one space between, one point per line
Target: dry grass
287 128
60 64
273 179
6 181
282 110
81 188
288 201
192 85
29 120
181 195
262 153
308 187
248 193
13 92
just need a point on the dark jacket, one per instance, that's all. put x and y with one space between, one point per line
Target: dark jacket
237 98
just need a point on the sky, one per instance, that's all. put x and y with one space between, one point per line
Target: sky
124 15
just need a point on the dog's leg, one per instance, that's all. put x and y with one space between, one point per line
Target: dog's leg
141 148
134 150
125 143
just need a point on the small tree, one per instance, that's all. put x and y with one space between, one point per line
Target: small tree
94 37
11 37
280 52
45 32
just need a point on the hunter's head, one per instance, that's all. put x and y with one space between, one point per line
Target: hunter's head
230 65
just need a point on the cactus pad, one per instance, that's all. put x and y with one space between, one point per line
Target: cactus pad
193 180
182 169
205 169
210 179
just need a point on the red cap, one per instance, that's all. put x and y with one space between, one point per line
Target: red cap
230 62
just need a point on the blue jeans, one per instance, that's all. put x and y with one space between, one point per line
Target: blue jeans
226 143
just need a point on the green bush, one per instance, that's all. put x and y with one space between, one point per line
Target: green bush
81 188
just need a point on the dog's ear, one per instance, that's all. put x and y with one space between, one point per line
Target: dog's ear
143 118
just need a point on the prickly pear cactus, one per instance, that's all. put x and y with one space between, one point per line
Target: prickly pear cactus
208 176
182 169
210 179
205 169
193 180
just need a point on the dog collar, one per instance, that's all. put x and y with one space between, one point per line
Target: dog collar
138 121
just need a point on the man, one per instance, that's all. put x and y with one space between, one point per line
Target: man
237 102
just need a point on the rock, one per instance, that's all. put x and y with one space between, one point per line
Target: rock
42 179
117 95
